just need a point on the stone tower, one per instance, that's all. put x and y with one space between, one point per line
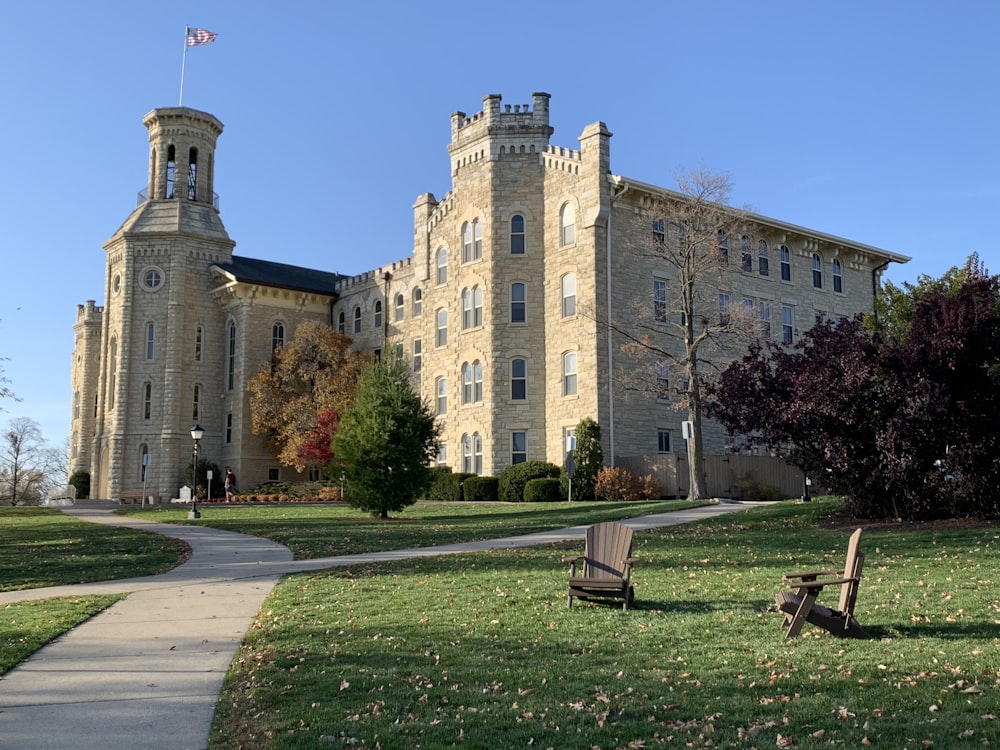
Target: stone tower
161 363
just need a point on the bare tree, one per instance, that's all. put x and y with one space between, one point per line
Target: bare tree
25 463
685 239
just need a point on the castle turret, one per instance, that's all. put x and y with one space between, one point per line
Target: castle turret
515 128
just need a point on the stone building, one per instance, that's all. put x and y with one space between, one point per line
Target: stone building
503 309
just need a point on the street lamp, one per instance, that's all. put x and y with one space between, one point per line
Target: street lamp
196 434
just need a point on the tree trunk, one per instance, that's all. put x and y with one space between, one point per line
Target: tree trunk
696 458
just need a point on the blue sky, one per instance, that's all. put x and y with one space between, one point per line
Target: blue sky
874 120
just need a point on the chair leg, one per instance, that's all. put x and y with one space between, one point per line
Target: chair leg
808 598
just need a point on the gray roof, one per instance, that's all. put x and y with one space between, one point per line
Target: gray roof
281 275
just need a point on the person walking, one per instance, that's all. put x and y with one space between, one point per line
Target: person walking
230 484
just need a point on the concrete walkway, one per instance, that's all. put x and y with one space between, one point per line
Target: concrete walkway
145 674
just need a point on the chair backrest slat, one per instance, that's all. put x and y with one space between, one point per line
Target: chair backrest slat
608 545
852 570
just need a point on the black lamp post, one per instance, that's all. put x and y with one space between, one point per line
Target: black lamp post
196 434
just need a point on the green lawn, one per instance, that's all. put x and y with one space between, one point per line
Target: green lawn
44 547
480 651
27 626
325 530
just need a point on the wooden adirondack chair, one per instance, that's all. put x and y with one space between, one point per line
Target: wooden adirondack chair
607 565
801 606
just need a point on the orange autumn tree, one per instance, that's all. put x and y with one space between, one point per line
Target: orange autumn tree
298 397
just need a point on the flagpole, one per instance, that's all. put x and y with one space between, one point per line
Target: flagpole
180 102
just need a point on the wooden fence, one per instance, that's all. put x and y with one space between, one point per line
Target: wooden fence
723 474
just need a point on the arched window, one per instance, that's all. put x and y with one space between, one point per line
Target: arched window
113 377
838 276
231 357
518 303
377 316
722 245
567 224
762 262
477 453
568 295
518 379
171 169
357 320
399 303
418 302
477 382
199 343
442 265
817 266
467 453
517 239
466 383
442 327
277 336
441 391
569 374
466 309
192 174
342 322
477 307
466 242
786 263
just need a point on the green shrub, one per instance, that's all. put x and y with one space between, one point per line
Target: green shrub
753 490
588 459
544 490
481 488
514 478
81 480
445 485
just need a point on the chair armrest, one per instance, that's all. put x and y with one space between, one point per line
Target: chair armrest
630 561
820 584
812 575
574 558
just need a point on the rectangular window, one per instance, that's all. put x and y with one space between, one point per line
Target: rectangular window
231 358
273 474
198 341
441 389
150 340
518 379
442 327
765 319
518 303
147 402
518 447
787 329
569 374
725 301
417 354
517 243
659 300
662 381
663 441
659 231
746 254
442 455
786 263
569 295
196 405
229 429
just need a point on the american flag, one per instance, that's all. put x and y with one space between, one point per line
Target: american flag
198 37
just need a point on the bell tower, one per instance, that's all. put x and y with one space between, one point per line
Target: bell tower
182 154
161 324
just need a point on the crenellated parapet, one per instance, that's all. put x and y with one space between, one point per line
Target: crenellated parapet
499 130
375 275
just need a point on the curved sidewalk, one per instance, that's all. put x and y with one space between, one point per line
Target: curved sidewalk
145 674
